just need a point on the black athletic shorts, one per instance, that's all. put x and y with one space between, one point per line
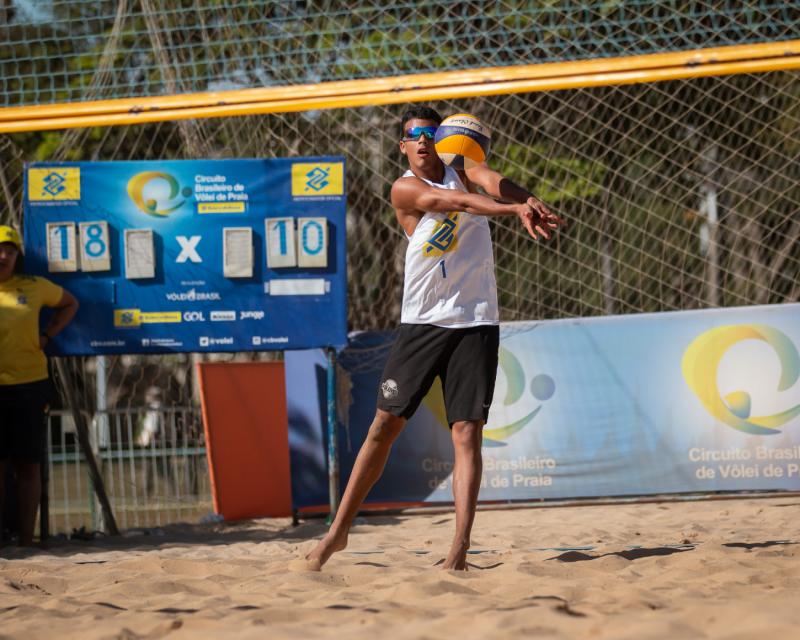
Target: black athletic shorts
464 359
22 420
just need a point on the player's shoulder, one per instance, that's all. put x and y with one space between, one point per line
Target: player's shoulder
407 183
408 178
405 195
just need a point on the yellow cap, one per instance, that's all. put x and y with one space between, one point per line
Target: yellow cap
9 234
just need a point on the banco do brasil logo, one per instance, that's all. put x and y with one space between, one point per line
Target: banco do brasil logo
701 368
317 179
157 193
53 183
444 237
520 398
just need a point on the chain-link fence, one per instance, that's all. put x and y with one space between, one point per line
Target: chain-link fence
74 50
153 462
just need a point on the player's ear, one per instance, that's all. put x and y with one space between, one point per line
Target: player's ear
402 147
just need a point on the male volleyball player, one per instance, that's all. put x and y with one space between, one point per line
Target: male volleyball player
449 322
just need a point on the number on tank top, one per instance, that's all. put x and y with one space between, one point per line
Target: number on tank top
444 272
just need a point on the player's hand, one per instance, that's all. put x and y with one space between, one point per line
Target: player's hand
538 220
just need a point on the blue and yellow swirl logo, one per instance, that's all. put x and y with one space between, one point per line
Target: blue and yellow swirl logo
542 388
700 367
157 204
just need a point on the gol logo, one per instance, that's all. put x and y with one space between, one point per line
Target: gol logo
542 388
700 367
153 206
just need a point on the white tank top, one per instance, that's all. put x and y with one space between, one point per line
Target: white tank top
449 270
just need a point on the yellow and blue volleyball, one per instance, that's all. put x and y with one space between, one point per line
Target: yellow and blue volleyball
462 141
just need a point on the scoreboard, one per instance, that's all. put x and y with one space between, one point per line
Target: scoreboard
192 255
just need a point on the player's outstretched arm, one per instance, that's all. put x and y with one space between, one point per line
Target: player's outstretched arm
411 197
498 186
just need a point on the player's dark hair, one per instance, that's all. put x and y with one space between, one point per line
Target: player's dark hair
419 113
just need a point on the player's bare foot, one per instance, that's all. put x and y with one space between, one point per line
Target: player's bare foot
303 565
456 559
326 547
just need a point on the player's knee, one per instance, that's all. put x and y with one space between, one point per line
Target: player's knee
385 427
467 433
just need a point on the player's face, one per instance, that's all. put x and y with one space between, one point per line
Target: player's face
417 143
8 257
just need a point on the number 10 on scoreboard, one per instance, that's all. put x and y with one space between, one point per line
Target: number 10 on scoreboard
307 246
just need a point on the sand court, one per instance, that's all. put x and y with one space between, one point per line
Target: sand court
700 569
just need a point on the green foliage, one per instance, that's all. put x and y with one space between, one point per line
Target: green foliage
560 178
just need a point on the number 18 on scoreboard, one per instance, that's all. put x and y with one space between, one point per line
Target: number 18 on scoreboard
62 254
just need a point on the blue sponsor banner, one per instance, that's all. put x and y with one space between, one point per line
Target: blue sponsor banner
680 402
192 255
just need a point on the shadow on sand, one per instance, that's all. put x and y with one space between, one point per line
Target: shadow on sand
628 554
184 534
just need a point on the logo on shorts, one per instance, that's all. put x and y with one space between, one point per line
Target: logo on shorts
389 389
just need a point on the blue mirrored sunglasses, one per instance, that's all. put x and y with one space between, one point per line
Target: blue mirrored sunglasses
415 132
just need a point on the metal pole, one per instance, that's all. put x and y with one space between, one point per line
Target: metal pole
608 276
333 441
44 494
101 432
709 243
82 429
102 389
713 254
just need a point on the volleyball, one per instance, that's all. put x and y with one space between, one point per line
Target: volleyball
462 141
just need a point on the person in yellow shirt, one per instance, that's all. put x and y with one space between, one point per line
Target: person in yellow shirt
24 383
